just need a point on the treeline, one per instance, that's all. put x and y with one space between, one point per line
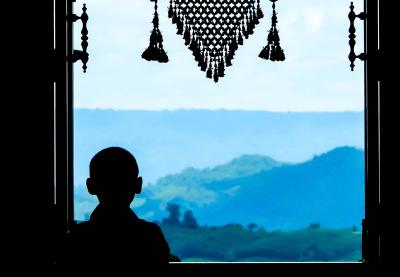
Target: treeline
189 220
235 242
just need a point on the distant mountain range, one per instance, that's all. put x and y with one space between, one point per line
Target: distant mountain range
327 189
167 142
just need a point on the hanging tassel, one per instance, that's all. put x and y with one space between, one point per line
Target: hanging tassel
170 10
216 76
272 56
240 38
192 45
179 25
275 36
221 68
197 55
250 22
264 54
155 51
260 13
250 26
150 54
280 55
244 30
203 65
233 46
175 16
273 50
228 61
186 35
209 71
162 56
255 18
200 62
271 36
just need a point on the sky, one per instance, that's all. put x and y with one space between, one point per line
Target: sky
314 77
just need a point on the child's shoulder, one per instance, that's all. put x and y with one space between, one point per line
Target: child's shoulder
150 226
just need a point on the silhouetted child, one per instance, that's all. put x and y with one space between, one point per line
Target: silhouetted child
114 235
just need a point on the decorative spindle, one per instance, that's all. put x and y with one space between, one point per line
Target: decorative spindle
352 36
77 54
84 37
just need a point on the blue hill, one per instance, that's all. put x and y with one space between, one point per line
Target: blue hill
329 190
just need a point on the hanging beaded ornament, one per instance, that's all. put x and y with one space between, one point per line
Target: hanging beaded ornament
213 29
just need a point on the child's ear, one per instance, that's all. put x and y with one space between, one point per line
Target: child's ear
139 183
90 186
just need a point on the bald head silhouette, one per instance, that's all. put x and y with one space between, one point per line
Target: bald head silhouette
114 177
114 236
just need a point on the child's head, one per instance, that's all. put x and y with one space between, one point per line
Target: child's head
114 177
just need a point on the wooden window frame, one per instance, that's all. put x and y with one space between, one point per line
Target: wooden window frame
63 139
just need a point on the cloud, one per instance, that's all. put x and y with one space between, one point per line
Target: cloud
314 19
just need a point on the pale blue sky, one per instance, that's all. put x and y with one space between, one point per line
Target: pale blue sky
315 76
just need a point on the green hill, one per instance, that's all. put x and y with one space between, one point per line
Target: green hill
245 165
328 189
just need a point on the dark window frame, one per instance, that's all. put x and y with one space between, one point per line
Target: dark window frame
63 136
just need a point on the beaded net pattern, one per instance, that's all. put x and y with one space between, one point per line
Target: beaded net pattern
213 29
